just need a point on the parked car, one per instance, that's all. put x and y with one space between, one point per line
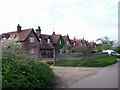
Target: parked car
110 52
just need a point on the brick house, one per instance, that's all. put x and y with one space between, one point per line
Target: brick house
79 42
67 43
29 40
46 46
58 42
93 44
50 42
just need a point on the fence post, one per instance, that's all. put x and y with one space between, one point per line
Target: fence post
54 58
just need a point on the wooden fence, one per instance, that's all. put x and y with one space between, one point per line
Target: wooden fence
79 56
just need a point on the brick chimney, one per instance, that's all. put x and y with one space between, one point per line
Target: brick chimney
53 33
74 38
38 31
83 38
18 28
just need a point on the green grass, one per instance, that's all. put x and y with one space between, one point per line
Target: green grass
99 62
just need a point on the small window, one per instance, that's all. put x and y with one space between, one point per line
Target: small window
67 42
60 42
48 40
32 51
40 39
74 43
81 44
31 39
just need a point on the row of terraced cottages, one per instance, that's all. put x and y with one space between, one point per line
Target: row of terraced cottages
37 44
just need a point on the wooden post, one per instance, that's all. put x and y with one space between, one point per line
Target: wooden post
54 58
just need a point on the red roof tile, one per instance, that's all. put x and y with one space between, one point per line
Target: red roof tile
44 36
22 35
45 45
54 38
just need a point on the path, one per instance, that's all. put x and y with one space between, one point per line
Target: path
105 78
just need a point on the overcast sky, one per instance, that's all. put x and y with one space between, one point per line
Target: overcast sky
90 19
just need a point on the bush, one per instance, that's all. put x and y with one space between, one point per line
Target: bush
99 62
26 74
117 49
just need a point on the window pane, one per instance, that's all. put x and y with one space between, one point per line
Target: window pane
31 39
60 42
40 39
32 51
48 40
67 42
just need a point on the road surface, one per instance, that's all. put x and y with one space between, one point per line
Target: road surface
105 78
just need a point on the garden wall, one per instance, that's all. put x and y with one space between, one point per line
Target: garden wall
79 56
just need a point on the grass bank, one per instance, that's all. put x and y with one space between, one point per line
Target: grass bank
98 62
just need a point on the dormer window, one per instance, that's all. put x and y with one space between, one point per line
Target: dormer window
31 39
67 42
60 42
74 43
48 40
40 39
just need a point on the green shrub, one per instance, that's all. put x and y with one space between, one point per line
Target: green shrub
21 72
99 62
26 74
68 63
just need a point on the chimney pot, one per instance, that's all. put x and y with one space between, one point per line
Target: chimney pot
38 31
18 28
53 33
74 38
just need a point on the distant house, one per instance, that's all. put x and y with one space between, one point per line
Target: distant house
67 43
79 42
58 42
50 42
29 40
93 44
45 44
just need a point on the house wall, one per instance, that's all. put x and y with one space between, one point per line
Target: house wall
59 46
27 45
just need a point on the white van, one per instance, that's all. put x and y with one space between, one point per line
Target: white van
110 52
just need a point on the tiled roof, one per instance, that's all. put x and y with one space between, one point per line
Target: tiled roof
78 42
22 35
65 38
45 45
54 38
44 36
92 43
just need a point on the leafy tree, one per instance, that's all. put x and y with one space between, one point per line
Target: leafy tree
117 49
106 43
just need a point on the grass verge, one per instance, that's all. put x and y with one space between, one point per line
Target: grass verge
98 62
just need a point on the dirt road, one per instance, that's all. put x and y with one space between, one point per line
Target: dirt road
66 76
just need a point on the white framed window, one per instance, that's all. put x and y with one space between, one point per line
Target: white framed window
32 51
67 42
81 44
31 39
48 40
60 51
60 42
74 43
40 39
